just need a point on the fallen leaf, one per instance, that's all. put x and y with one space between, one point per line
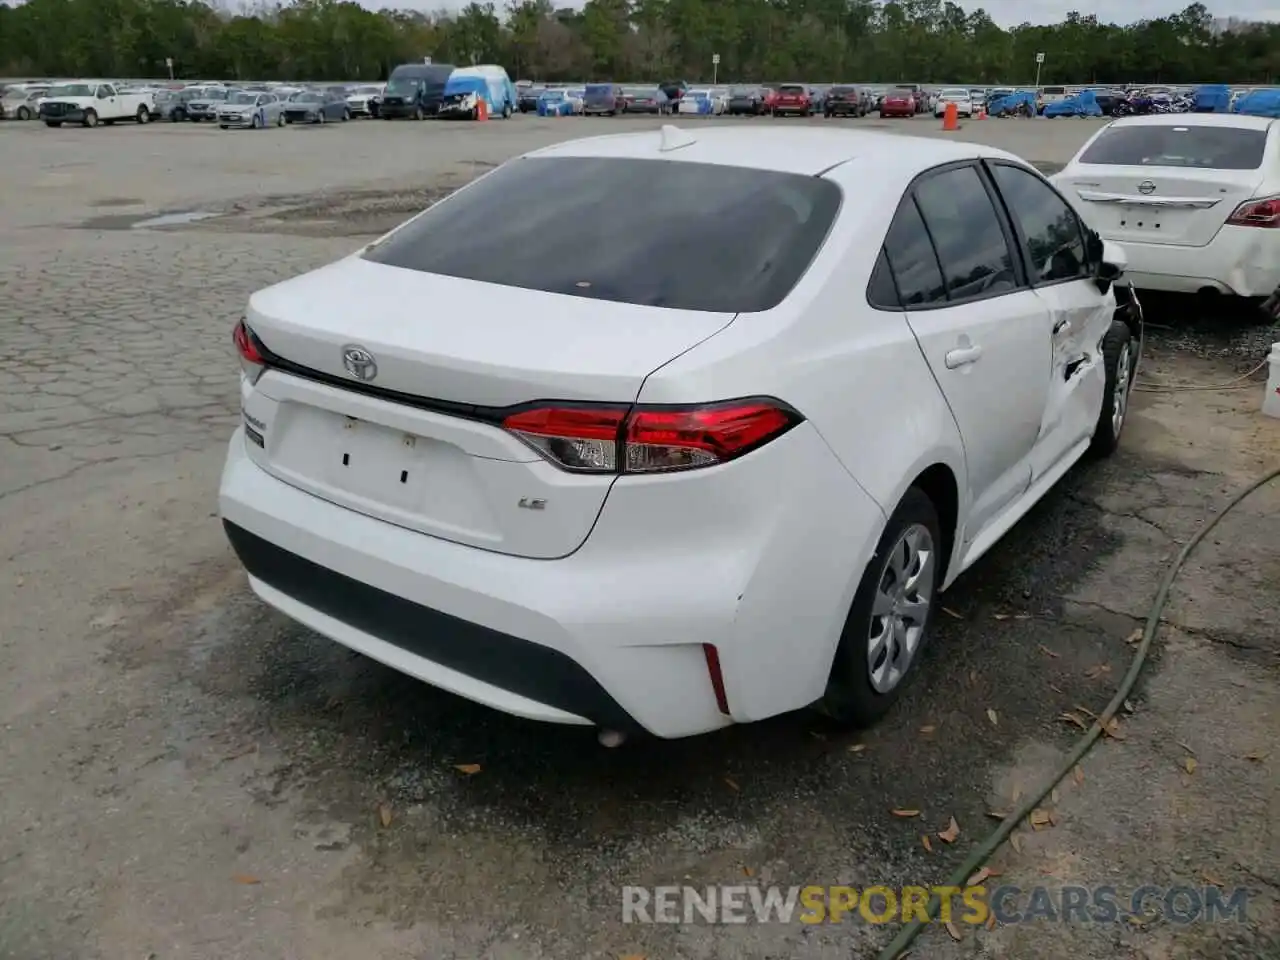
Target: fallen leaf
1023 616
1112 729
467 769
857 747
246 879
953 930
1189 764
1016 842
1039 819
997 814
973 676
1087 712
951 613
928 728
1129 707
1093 673
1185 747
1074 718
1053 795
905 814
1053 819
1000 616
993 717
977 878
1212 880
991 920
926 843
1133 637
747 871
1046 651
1017 794
384 814
1055 688
731 783
1078 774
951 834
1256 757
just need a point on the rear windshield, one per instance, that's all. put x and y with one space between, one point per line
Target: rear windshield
1054 91
1214 148
791 88
842 91
724 239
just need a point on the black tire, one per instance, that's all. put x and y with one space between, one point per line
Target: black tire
24 113
90 118
143 115
850 696
417 113
53 123
346 114
506 111
1120 366
178 116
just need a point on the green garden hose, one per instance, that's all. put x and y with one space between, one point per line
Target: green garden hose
907 935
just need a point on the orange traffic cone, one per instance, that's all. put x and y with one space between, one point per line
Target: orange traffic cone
951 117
982 113
482 108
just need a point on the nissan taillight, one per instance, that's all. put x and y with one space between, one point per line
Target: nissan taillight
595 438
252 361
1263 212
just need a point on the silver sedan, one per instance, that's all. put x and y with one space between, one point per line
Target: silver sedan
246 108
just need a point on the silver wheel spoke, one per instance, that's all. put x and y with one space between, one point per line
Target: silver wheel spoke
913 612
900 608
882 606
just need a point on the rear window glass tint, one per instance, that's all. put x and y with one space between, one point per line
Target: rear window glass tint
1209 147
792 88
724 239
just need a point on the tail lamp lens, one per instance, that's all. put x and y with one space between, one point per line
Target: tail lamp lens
603 439
1263 212
252 361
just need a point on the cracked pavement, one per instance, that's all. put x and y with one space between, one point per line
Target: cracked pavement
185 774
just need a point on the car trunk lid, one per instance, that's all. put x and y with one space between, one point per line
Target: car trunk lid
1149 204
419 443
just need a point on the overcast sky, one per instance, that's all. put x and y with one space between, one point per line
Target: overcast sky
1007 13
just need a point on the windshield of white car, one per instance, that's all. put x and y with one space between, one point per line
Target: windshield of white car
242 98
365 91
1206 147
71 90
753 233
954 95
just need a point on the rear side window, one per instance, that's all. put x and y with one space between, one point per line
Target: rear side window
1208 147
915 265
972 246
724 239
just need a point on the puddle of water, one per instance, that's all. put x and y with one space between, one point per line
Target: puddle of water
174 219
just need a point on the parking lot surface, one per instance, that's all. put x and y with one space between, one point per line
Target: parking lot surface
186 774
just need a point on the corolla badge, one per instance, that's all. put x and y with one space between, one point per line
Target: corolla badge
359 362
1146 188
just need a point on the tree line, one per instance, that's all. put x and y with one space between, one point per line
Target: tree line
924 41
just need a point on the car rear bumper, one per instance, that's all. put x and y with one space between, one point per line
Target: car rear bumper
611 635
1244 261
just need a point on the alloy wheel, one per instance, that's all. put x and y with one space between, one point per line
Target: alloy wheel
900 609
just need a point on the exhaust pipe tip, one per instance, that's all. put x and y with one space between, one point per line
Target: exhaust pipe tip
611 738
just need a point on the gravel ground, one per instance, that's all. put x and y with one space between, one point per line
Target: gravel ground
185 774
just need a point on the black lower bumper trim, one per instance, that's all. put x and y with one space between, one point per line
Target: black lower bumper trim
509 663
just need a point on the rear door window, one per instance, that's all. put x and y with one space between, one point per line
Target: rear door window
1206 147
915 268
724 239
1051 232
972 245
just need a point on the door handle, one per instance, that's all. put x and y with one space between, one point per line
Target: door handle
1062 327
962 357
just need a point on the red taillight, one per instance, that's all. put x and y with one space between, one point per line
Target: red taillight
1264 212
252 362
603 439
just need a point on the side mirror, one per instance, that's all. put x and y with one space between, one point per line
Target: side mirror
1111 265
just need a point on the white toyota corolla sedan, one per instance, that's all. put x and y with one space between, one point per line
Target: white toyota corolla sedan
519 449
1193 197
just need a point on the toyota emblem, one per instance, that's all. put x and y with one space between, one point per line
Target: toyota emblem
359 362
1146 188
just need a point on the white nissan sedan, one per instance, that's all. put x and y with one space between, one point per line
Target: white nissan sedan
1193 197
578 481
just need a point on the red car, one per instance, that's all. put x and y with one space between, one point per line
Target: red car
790 98
898 103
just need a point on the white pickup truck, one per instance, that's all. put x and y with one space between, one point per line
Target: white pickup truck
90 102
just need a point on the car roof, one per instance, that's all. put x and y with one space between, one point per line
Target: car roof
1242 120
808 151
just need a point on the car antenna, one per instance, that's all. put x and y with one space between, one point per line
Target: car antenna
673 138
